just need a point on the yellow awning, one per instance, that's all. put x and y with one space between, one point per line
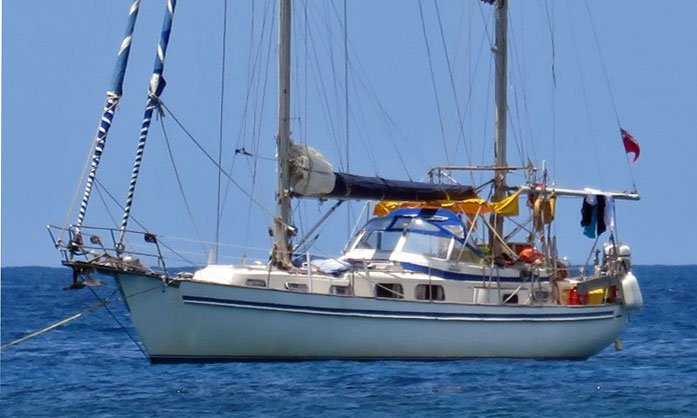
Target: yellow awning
506 207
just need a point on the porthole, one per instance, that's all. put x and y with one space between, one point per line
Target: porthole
429 292
255 283
389 290
296 287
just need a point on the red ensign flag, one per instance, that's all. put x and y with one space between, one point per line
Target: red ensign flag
630 144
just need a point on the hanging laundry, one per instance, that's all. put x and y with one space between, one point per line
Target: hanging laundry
595 216
609 215
601 214
589 215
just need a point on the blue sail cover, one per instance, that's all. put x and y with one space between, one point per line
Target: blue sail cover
351 186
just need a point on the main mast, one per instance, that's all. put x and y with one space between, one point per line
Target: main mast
501 55
280 254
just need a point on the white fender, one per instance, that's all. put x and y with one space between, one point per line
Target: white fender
631 292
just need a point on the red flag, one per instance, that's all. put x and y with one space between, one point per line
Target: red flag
630 144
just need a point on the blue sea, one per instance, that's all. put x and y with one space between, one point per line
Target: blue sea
90 367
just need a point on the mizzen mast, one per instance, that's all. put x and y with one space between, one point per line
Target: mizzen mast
280 254
501 55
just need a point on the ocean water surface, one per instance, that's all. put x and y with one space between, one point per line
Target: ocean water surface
90 367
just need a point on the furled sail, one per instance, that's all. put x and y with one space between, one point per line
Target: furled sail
312 176
351 186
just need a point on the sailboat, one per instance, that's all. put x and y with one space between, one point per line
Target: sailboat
413 283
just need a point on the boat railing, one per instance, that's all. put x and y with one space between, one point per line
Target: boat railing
139 251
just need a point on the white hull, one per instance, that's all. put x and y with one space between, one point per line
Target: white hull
194 321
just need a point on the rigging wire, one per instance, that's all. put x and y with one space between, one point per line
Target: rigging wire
486 24
489 84
78 187
360 124
304 120
335 77
488 96
181 188
133 218
550 25
220 130
258 114
516 128
106 206
225 173
98 186
523 88
105 303
454 90
609 88
585 97
390 125
518 90
602 64
346 105
370 153
252 70
470 89
433 83
319 82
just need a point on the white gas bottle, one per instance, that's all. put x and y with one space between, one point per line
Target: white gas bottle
631 292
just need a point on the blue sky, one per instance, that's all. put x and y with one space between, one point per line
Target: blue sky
57 59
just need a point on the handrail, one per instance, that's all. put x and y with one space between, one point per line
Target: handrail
88 244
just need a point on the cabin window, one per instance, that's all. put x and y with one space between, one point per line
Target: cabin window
429 292
456 230
389 290
421 225
379 240
379 223
255 283
296 287
510 299
429 245
540 295
340 290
